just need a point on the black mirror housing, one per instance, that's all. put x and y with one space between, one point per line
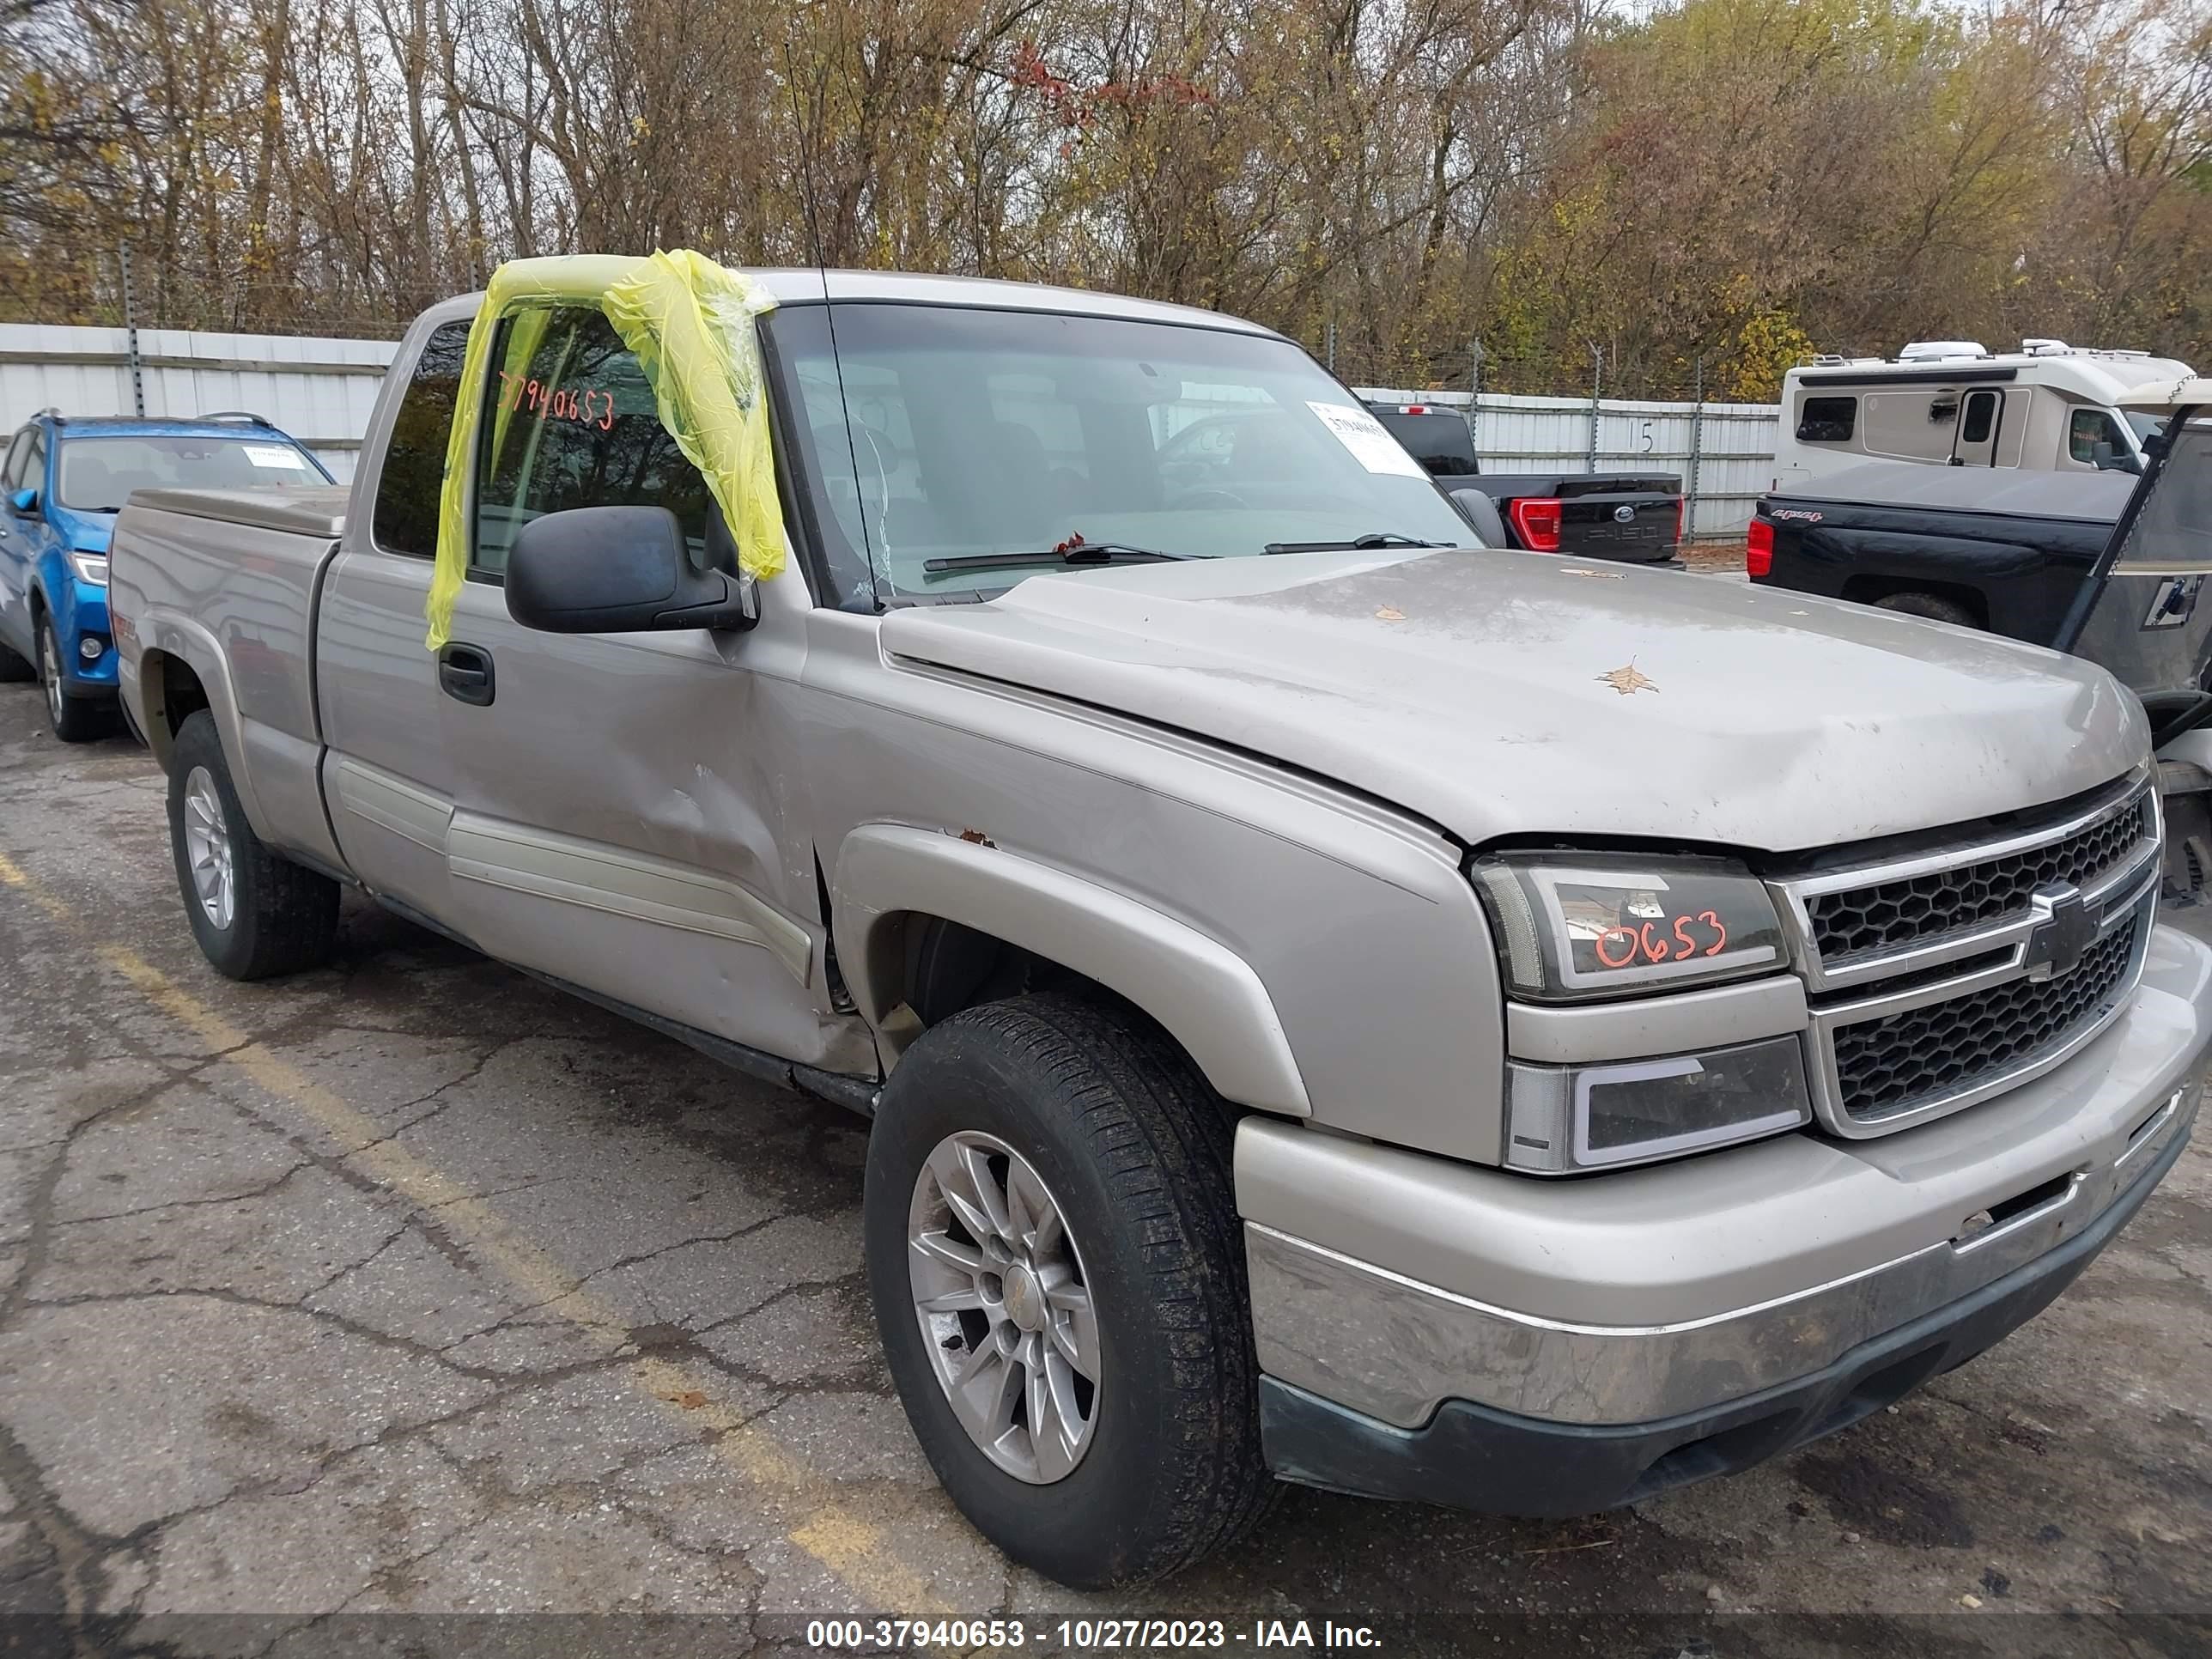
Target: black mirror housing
618 570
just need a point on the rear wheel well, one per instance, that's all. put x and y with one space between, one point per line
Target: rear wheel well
1872 590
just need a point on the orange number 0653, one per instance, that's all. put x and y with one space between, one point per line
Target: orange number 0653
1619 947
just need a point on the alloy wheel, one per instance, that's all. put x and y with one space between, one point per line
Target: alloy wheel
49 674
207 848
1004 1307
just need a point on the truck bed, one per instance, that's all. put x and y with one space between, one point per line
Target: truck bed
224 582
302 509
2009 547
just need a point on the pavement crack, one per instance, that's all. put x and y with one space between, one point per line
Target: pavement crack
78 1552
353 1327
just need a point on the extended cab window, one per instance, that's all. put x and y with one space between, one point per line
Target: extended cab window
571 421
1827 420
415 464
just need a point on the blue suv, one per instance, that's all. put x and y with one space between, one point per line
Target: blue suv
60 488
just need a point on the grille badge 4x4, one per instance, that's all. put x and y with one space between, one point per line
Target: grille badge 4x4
2065 927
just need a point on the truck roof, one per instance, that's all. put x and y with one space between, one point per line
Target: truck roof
805 285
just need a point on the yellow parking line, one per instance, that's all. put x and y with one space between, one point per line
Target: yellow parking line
850 1546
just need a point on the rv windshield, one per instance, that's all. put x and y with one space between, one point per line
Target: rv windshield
949 450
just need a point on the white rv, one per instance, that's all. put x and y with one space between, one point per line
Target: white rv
2047 407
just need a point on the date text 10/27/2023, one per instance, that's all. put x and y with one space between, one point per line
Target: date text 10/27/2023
1083 1635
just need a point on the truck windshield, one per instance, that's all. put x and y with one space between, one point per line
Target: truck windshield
99 474
940 433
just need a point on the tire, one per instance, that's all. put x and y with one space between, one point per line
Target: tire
1134 1150
281 918
1931 605
75 720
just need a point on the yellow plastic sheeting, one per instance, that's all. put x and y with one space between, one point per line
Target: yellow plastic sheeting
689 322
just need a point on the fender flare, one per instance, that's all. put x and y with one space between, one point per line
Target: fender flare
1205 996
195 646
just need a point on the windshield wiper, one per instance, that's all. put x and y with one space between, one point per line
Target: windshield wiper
1082 553
1373 539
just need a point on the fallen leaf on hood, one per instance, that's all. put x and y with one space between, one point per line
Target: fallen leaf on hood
1603 575
1627 681
1389 613
690 1399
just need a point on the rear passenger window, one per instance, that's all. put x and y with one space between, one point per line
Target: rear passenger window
570 420
1827 420
406 517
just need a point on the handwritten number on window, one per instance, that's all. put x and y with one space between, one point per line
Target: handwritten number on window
587 407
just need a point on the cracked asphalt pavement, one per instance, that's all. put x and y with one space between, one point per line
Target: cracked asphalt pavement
412 1287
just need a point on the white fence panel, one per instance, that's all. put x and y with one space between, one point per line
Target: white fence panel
320 390
1722 453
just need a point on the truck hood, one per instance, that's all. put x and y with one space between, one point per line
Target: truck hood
1507 694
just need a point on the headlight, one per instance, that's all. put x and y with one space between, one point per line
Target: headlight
90 568
1565 1118
1577 926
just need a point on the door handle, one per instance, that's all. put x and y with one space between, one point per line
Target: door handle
464 672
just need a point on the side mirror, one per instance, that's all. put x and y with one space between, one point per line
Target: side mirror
1480 512
24 503
618 570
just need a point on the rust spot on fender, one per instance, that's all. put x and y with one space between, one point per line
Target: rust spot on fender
978 837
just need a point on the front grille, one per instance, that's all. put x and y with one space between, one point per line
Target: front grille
1903 1061
1892 916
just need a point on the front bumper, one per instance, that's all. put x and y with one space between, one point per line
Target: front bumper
1436 1330
85 617
1470 1456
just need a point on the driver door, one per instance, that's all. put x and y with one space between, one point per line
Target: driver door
627 815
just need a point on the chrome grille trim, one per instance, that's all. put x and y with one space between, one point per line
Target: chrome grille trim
2125 896
1820 1038
1791 897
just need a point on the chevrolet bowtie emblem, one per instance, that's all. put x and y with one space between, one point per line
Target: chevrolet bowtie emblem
2065 927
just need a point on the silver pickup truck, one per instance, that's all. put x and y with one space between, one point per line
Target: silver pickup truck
1359 1009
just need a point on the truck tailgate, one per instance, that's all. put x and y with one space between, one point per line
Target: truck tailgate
1635 520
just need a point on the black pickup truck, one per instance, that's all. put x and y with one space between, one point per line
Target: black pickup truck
1635 518
1993 549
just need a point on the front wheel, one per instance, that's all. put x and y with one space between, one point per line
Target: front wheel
1057 1270
254 914
75 720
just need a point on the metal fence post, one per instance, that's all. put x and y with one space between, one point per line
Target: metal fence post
131 338
1473 390
1330 338
1597 386
1697 451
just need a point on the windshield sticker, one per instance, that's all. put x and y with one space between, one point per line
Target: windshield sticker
285 460
1369 441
